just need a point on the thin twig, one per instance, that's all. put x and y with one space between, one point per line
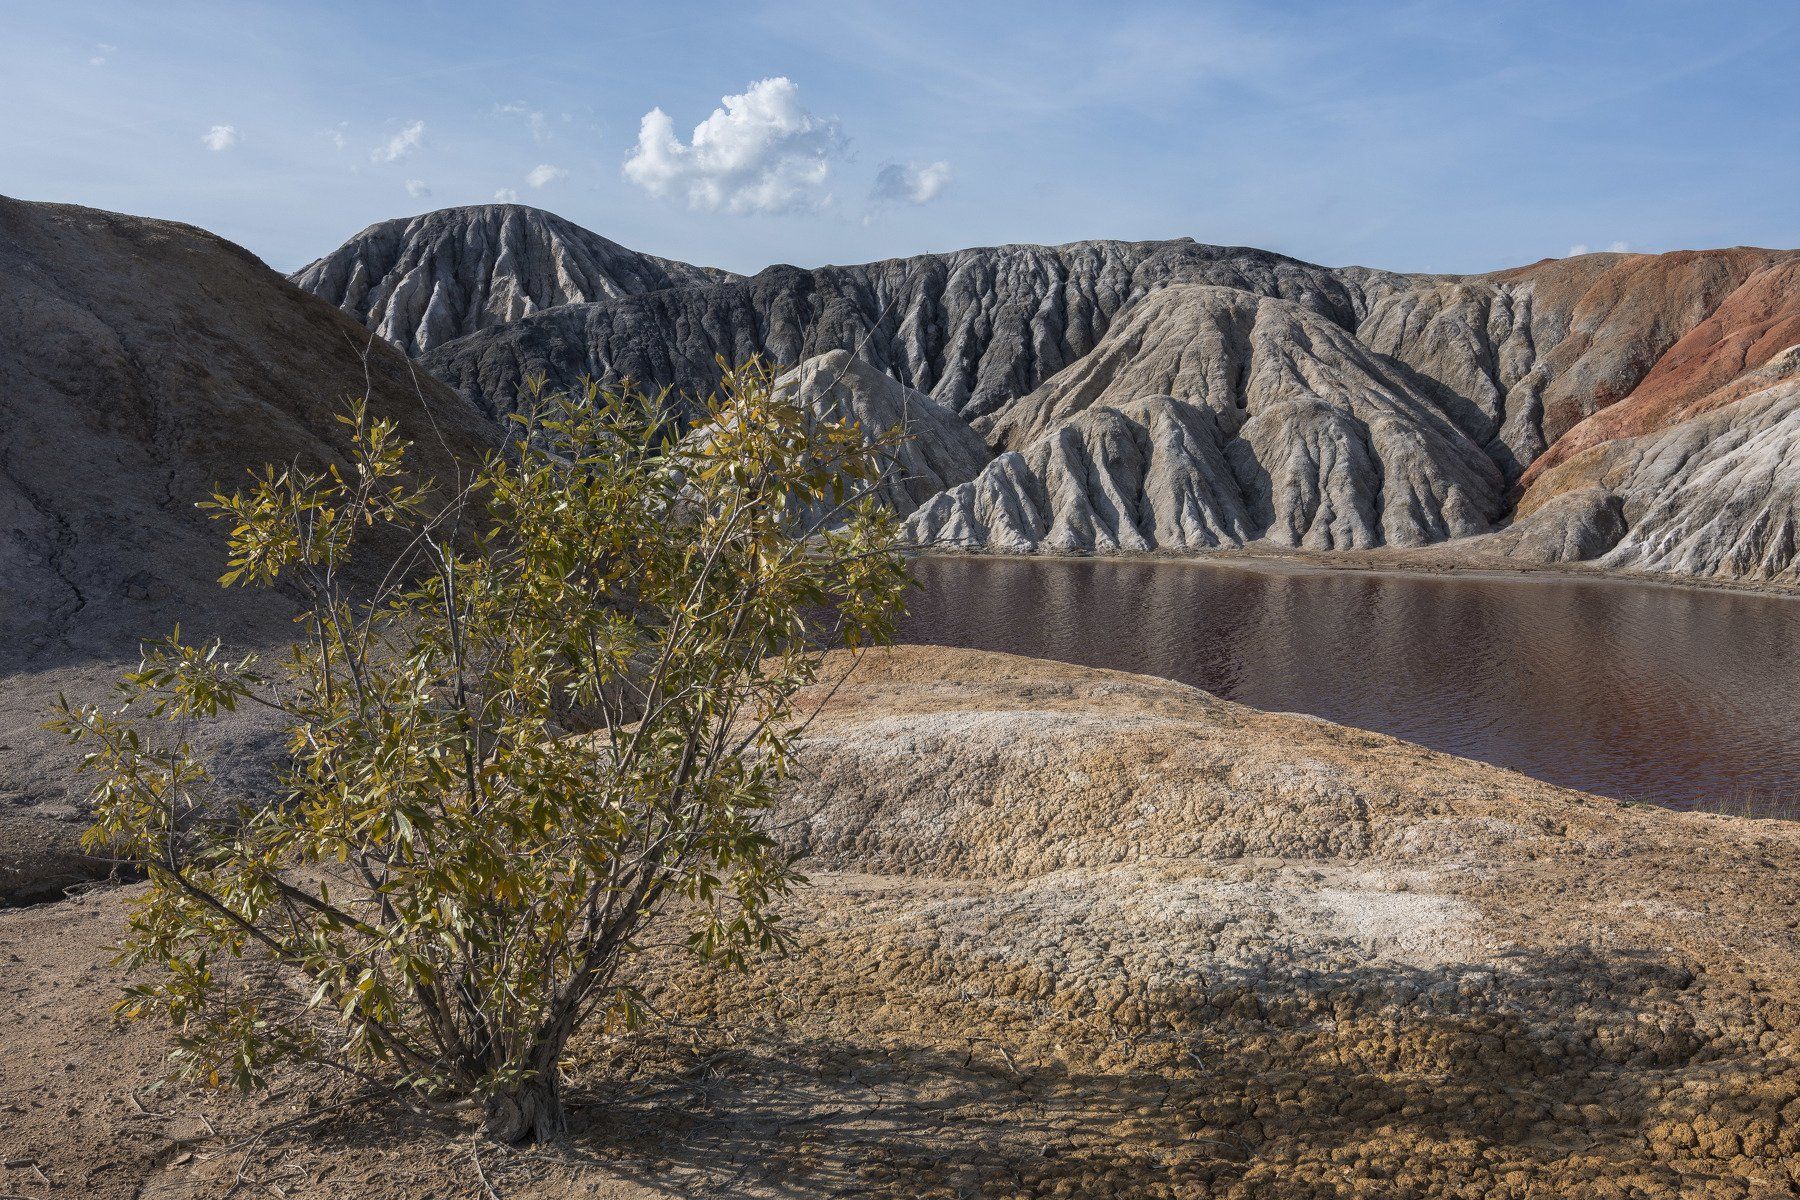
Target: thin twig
475 1154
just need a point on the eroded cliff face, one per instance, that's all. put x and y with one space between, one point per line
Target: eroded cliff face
974 330
420 282
1715 362
1266 422
1176 396
1716 496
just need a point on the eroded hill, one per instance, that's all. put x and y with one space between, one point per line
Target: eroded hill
142 365
1171 396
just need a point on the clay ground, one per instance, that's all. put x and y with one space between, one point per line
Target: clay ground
1076 933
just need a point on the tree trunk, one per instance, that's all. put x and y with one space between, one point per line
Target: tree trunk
530 1112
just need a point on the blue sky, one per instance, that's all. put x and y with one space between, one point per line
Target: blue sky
1444 136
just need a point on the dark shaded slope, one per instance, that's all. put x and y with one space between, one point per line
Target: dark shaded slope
142 363
973 329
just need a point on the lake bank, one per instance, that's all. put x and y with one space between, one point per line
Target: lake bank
1637 690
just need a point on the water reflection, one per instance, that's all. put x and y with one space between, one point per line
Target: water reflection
1633 690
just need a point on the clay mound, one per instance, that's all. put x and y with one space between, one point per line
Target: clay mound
1144 475
1484 341
1081 933
143 364
938 450
422 281
1215 417
1711 366
1716 496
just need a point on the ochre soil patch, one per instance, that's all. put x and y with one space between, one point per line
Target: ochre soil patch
1077 933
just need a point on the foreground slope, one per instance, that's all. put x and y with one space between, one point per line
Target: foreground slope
143 364
1079 933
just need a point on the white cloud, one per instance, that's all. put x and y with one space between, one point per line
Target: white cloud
544 174
536 121
417 188
761 152
507 196
1612 248
220 137
337 134
102 52
401 144
910 183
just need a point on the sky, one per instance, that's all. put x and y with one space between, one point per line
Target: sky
1444 136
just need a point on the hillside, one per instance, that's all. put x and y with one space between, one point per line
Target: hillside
1177 397
143 364
422 281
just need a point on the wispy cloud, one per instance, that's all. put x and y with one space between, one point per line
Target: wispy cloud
545 174
401 144
103 52
507 196
535 120
220 137
1580 248
762 151
910 183
417 188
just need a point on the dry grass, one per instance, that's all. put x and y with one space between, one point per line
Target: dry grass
1754 804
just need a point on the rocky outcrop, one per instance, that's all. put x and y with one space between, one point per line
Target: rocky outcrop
1267 422
143 364
935 449
974 329
420 282
1482 341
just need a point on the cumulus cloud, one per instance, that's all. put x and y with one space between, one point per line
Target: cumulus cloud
220 137
545 174
417 188
507 196
761 152
910 183
401 144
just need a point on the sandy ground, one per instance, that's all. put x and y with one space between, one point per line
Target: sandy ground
1077 933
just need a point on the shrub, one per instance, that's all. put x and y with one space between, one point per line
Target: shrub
558 718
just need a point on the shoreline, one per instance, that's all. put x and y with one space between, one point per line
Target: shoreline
1377 562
